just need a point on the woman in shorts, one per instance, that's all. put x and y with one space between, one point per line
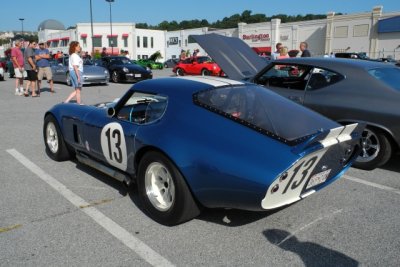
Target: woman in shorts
75 71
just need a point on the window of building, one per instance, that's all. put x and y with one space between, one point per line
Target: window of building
145 44
341 32
125 42
186 42
138 41
180 43
138 57
97 42
84 42
360 30
145 56
151 42
112 42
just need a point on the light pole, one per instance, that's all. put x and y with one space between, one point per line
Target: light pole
91 26
22 23
111 36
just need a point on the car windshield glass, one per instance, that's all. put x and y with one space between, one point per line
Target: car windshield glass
263 111
142 108
389 76
87 62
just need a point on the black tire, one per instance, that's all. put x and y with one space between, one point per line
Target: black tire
179 72
68 79
205 72
181 206
115 76
376 149
54 140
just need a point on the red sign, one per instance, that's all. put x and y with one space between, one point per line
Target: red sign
256 37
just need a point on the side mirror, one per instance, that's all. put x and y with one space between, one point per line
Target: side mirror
111 112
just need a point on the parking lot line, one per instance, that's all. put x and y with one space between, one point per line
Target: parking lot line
140 248
383 187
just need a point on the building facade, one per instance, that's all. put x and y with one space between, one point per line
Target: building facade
375 33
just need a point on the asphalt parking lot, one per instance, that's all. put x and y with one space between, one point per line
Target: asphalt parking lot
67 214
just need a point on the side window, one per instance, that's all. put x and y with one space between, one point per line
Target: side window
321 78
143 108
288 76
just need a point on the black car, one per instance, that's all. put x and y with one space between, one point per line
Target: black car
170 63
123 69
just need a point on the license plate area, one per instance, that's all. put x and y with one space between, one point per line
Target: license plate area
138 75
318 179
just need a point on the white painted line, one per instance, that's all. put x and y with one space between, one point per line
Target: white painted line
379 186
308 225
137 246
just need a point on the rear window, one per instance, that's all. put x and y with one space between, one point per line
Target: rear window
389 76
264 111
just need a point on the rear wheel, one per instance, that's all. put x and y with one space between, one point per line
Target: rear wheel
376 149
54 140
179 72
163 191
205 72
115 76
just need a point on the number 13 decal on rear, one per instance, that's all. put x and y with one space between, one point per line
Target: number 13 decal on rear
114 146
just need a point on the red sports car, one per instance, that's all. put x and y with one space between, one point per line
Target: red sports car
197 66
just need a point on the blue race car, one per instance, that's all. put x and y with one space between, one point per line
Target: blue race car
193 142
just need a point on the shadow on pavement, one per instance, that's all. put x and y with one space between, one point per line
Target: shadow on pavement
393 164
310 253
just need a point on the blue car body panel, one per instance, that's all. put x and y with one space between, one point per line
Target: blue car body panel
225 162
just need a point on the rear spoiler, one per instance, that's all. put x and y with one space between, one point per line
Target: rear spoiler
331 137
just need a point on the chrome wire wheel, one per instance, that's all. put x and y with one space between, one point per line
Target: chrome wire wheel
370 146
160 188
52 138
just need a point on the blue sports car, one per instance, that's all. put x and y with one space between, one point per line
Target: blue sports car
193 142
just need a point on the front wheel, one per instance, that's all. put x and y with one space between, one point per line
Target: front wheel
376 149
115 76
205 72
68 79
54 140
163 191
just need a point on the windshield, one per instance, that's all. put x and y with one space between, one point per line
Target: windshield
264 111
389 76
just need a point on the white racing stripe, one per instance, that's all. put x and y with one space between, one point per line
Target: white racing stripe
137 246
379 186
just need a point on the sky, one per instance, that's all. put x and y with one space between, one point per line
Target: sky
152 12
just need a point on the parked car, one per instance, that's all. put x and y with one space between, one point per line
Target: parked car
123 69
147 63
91 74
170 63
229 148
197 66
344 90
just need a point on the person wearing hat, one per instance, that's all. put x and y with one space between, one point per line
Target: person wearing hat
42 56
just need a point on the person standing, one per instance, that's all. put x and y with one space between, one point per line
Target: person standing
304 50
42 56
275 54
17 59
31 69
75 70
283 53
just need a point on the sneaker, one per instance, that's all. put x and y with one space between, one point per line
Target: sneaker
21 91
16 91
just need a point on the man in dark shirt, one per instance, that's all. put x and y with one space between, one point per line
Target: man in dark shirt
304 50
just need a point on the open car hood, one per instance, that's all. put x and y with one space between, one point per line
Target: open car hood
233 55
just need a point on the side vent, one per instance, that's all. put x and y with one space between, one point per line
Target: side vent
76 136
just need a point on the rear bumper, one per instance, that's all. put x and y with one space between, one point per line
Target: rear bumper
324 161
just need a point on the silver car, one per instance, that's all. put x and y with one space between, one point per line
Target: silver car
92 74
344 90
